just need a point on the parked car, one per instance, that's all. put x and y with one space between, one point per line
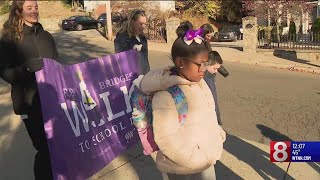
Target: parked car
115 18
79 23
229 33
215 37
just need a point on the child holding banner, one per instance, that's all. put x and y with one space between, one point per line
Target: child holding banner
131 36
26 43
188 148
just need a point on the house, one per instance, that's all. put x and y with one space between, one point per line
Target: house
315 13
303 20
91 5
167 5
95 7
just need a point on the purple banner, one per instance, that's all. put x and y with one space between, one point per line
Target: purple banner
87 112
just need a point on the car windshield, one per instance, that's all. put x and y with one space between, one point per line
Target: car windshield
72 18
102 15
89 18
228 29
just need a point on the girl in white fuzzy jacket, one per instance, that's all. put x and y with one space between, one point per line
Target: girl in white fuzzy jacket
188 150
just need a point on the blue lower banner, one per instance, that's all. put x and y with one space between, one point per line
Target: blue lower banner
307 151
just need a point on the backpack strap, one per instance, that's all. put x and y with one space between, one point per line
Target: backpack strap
181 102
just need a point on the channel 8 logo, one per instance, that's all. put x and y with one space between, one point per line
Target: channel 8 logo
280 151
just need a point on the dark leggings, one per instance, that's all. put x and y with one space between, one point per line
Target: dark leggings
35 128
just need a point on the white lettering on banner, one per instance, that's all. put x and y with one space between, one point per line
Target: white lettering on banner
115 81
115 128
75 121
103 135
126 98
69 92
121 127
131 120
106 101
76 113
86 144
107 134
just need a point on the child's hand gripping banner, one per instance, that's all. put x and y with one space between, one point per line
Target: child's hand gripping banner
87 113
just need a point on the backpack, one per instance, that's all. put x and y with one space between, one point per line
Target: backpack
143 103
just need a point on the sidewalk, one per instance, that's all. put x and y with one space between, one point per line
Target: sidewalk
241 159
233 55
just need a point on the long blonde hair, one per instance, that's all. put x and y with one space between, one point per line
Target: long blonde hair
133 16
13 27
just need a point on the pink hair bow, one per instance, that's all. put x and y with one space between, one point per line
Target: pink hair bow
193 35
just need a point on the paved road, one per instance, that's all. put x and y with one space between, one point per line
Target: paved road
236 45
257 103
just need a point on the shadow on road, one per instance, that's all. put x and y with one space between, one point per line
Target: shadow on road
15 147
237 47
291 55
16 154
256 158
225 173
5 106
103 32
75 47
274 135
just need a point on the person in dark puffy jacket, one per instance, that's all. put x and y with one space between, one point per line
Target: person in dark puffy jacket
131 36
24 43
216 60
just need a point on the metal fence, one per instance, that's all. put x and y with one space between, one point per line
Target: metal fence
310 41
155 31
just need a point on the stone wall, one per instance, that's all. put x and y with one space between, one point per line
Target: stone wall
51 24
250 35
313 55
3 19
171 26
294 55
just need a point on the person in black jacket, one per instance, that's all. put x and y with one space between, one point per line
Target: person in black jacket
23 45
216 63
131 36
210 78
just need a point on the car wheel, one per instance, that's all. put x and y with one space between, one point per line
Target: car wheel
235 39
79 27
99 25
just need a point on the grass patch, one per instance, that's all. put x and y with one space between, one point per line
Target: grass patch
5 8
66 4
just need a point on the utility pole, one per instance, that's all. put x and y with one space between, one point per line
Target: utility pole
109 21
318 8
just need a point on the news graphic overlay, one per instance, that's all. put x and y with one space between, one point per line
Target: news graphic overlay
295 151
